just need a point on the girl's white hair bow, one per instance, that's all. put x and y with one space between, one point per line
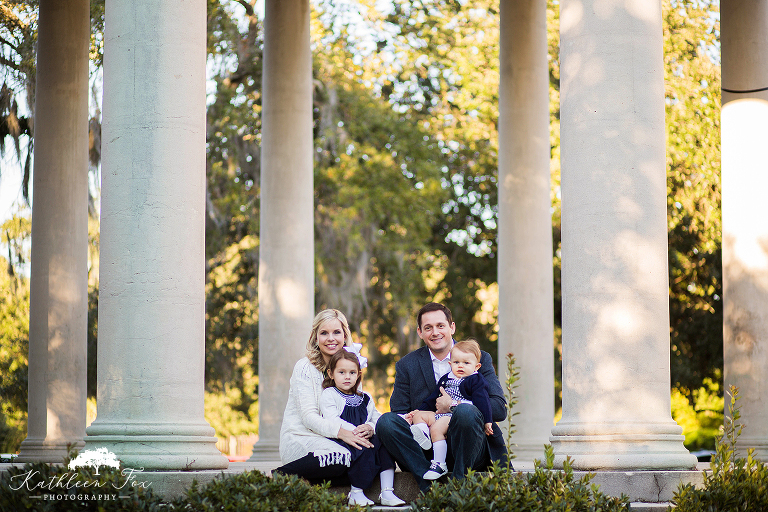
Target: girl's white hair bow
355 349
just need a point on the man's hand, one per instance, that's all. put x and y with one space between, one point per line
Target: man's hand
353 439
443 402
363 430
489 429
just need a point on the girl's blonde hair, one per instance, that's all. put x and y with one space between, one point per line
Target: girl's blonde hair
313 348
328 382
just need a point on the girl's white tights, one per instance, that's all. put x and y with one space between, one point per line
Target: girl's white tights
388 482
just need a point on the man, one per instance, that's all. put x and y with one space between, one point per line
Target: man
416 376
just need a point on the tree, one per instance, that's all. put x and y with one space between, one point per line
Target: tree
692 78
14 333
377 193
18 36
446 75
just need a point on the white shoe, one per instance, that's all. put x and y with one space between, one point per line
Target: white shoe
359 498
386 501
421 437
436 470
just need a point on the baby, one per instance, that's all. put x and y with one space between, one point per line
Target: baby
466 386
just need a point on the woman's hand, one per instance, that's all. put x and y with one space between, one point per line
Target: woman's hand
353 439
364 430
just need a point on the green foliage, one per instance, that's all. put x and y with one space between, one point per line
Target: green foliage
43 487
692 90
513 376
14 333
371 258
543 489
446 79
254 491
702 419
232 213
223 412
735 482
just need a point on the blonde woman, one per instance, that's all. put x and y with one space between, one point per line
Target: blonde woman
307 448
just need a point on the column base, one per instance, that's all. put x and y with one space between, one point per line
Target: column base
606 446
760 445
37 449
158 446
265 451
528 450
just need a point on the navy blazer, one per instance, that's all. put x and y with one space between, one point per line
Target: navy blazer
473 388
415 381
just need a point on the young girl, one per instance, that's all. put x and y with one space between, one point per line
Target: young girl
341 398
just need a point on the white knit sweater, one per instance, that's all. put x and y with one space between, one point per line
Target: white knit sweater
332 405
304 430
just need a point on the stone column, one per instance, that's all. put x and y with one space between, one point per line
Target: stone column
616 381
59 274
526 306
744 174
152 300
286 245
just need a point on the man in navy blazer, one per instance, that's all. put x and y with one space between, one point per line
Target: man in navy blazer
416 376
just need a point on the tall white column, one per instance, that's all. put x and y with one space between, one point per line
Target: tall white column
526 305
616 381
59 282
286 245
744 175
152 275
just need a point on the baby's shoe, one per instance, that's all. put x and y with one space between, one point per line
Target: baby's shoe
421 437
358 497
436 470
387 498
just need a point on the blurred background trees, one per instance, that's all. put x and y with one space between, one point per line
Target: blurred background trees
405 113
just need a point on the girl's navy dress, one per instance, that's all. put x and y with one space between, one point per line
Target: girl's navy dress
368 462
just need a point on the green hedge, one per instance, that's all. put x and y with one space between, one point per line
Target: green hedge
735 483
540 490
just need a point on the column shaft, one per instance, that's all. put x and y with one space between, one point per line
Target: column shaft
526 306
286 245
616 381
59 290
744 174
152 301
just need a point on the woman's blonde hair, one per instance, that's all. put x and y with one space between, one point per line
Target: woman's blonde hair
313 348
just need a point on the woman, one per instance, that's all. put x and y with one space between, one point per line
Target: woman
306 447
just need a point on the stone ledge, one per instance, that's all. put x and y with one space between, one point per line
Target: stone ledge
649 507
644 486
649 491
406 489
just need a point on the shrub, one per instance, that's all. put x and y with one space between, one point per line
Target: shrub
513 376
735 483
700 413
501 489
256 492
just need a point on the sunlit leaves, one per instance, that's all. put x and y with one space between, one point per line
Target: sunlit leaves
692 91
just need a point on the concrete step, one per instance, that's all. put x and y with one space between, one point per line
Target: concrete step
406 489
637 506
649 491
